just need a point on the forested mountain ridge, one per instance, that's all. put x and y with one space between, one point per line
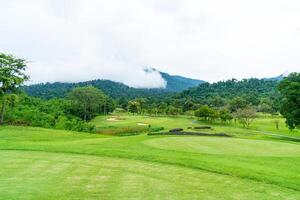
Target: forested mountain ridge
278 78
251 89
197 90
112 88
179 83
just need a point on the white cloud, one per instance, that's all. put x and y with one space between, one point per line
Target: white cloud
76 40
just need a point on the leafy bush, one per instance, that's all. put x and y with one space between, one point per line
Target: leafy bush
123 131
156 129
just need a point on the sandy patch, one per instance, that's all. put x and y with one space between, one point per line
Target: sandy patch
114 119
142 124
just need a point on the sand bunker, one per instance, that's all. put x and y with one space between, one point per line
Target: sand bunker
113 119
142 124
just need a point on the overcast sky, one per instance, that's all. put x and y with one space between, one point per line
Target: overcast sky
76 40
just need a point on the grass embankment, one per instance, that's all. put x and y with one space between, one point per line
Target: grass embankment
49 164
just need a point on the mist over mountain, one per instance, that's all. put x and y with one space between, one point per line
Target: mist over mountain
171 84
115 89
175 83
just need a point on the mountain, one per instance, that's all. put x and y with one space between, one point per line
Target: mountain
113 89
175 83
251 89
278 78
179 83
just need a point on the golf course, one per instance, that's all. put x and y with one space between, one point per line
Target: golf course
259 162
149 100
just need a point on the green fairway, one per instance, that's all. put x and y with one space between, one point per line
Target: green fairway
212 145
118 123
121 122
41 175
41 163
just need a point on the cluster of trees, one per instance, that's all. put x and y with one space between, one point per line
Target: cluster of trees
243 115
88 102
70 113
253 95
262 94
238 109
151 107
54 113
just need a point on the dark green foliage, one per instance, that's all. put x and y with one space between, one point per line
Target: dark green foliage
188 105
217 94
205 112
134 107
238 103
225 115
12 75
156 129
112 89
290 109
123 131
54 113
179 83
87 102
172 110
122 102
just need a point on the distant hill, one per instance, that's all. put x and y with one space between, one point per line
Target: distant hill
278 78
179 83
113 89
252 89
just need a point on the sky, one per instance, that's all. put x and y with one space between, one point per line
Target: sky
78 40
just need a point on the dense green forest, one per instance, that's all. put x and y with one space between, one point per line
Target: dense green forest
54 113
256 92
111 88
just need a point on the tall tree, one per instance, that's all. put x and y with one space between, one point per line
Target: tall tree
237 103
245 116
204 112
290 109
134 106
87 101
12 75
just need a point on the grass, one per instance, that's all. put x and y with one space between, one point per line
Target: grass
260 127
138 123
41 163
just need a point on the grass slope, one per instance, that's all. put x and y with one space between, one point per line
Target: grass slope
50 164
